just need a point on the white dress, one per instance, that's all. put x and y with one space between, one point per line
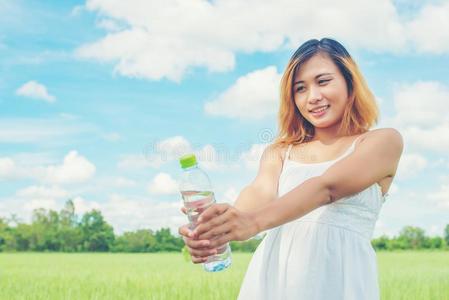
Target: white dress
324 255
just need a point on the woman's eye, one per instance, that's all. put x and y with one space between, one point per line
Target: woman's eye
299 88
323 81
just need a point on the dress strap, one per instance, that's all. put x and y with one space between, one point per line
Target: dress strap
287 154
357 138
350 149
355 141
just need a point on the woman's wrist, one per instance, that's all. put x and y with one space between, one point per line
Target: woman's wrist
260 220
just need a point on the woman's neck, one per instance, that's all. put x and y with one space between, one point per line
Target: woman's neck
327 135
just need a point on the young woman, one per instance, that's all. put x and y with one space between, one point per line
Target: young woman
318 191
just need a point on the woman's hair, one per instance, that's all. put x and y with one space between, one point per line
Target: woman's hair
360 113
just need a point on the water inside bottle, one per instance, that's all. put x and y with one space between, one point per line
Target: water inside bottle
196 202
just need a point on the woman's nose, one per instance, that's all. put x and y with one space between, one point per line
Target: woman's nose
314 94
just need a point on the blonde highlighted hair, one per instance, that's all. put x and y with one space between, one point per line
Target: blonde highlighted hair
360 113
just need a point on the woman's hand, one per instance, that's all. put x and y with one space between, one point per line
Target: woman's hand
199 249
221 223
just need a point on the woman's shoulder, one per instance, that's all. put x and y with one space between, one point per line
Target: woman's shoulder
384 133
387 136
275 150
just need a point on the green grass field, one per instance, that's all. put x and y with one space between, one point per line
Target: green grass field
403 275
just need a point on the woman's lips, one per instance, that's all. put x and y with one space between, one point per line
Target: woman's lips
320 112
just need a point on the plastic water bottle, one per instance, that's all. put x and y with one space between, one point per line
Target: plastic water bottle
197 195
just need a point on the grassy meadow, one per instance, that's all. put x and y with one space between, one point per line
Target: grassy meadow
403 275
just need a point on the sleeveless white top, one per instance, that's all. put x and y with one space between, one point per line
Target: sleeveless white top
326 254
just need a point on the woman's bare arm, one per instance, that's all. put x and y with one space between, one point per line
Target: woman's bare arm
376 157
264 187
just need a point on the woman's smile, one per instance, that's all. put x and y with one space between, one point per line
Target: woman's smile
319 111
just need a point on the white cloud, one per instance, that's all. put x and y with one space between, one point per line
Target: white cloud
82 205
252 96
420 103
381 229
34 197
109 25
74 169
420 117
427 31
124 182
441 196
45 203
35 90
26 199
156 154
35 130
217 157
251 158
7 168
138 161
33 159
212 160
434 139
130 213
410 165
42 192
124 213
230 195
172 148
163 184
166 39
22 165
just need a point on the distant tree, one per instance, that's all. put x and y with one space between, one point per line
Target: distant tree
381 243
69 233
435 242
22 236
446 235
64 231
412 237
44 230
13 220
97 234
141 240
4 233
67 215
167 242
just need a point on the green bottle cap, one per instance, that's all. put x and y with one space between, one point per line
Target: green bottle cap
187 161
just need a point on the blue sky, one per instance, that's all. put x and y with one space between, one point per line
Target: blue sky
99 98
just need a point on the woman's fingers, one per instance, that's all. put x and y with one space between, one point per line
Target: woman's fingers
212 211
197 248
197 244
201 253
184 230
215 230
198 260
221 240
213 227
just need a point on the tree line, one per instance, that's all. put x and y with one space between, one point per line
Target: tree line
64 231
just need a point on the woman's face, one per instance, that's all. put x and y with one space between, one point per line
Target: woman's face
320 91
